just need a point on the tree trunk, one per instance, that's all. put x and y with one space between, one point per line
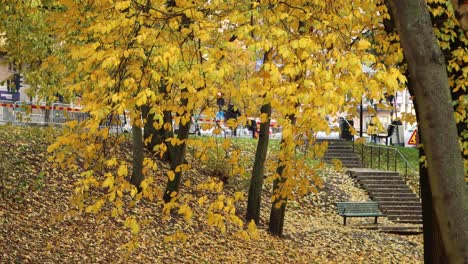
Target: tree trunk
434 252
427 69
158 136
149 130
177 158
433 248
137 148
278 207
258 171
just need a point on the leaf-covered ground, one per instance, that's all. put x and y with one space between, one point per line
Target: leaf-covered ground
39 225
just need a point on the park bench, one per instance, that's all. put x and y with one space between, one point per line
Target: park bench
358 209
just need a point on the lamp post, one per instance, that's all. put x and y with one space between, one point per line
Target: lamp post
360 120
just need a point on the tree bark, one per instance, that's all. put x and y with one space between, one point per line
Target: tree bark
427 70
138 155
278 207
158 136
258 171
177 158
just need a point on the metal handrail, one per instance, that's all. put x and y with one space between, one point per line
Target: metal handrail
396 151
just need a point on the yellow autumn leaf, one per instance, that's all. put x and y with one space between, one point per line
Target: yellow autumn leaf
252 230
363 44
133 191
131 222
170 175
122 171
202 200
226 144
238 196
109 181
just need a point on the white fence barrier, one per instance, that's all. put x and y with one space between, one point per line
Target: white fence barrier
38 113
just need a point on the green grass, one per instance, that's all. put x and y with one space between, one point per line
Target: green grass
411 154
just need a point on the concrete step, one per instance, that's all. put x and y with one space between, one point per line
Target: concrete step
378 178
387 191
396 207
353 165
400 203
393 195
375 190
358 173
383 181
341 156
395 199
351 161
334 148
403 230
408 221
402 212
404 217
345 160
379 185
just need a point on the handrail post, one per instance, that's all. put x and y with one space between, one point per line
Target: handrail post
388 159
379 158
362 154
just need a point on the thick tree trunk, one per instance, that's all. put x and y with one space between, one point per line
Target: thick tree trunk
256 182
434 251
138 155
437 124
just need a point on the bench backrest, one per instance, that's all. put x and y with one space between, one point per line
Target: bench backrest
357 207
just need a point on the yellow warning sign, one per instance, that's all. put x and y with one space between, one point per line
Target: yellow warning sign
413 139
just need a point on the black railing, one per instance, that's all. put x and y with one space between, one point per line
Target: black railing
385 158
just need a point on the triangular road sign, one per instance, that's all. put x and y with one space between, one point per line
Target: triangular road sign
413 139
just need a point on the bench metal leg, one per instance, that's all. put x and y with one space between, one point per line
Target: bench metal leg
344 220
375 222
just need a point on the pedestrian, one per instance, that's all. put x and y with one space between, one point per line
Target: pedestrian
372 132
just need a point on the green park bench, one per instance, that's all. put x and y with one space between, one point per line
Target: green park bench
358 209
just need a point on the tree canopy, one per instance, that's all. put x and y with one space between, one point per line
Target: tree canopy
306 60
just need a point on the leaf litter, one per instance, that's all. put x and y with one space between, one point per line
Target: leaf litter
39 224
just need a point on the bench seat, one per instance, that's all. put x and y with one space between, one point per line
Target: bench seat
358 209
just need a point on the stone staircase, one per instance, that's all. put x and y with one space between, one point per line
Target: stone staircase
394 196
387 188
343 151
